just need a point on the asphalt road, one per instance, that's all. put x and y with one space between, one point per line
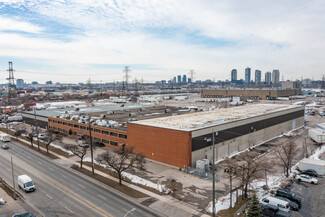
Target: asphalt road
61 191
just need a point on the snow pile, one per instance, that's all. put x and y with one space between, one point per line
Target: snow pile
63 149
2 201
133 178
224 202
318 152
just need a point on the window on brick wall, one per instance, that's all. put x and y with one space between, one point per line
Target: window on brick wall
122 136
114 143
70 125
76 126
113 134
65 123
96 131
59 122
54 121
96 139
82 127
105 141
59 129
105 132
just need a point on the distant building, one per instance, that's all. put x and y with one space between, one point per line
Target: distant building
268 77
179 79
291 85
275 76
233 76
174 79
34 83
20 83
248 75
49 82
184 79
189 80
257 76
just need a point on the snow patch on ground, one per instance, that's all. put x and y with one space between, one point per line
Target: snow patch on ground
133 178
318 152
63 149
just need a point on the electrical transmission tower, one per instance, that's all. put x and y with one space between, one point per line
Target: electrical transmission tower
11 81
126 72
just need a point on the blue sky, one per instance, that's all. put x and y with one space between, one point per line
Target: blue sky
73 40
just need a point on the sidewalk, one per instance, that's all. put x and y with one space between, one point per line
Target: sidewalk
165 204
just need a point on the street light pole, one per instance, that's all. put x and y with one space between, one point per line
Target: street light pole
13 177
91 149
213 177
131 210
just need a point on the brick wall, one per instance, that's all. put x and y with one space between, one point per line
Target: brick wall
167 146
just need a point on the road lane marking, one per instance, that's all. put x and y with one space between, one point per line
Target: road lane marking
56 185
8 169
49 196
68 209
102 197
82 186
50 168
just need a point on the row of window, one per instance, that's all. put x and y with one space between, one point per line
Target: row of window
95 139
104 132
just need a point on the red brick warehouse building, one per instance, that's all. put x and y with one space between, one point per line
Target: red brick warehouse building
181 140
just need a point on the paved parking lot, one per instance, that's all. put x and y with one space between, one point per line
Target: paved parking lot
313 198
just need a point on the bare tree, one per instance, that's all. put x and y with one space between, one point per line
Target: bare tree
286 154
122 160
19 132
31 137
229 165
50 136
78 151
249 168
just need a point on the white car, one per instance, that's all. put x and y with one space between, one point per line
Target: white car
41 136
306 178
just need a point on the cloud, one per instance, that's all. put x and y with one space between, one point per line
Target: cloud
8 24
211 37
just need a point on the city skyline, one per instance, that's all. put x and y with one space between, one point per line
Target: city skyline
65 41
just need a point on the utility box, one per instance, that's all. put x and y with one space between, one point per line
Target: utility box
317 165
202 165
317 135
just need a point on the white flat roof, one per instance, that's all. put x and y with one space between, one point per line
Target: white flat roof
197 120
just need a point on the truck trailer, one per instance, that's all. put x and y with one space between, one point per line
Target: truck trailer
317 165
317 135
4 137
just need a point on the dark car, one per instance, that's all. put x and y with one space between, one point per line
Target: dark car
4 146
293 205
291 196
23 214
273 211
310 172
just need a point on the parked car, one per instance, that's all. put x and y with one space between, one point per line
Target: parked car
293 206
306 178
23 214
281 204
273 211
41 136
291 196
310 172
83 143
4 146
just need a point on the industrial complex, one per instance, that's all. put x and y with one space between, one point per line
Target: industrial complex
179 138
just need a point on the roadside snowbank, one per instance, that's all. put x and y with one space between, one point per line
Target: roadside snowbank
133 178
61 148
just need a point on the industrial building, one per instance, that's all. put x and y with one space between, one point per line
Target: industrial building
180 137
259 94
182 140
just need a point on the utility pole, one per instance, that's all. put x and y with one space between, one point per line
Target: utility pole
13 177
126 72
11 81
213 177
91 148
36 129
